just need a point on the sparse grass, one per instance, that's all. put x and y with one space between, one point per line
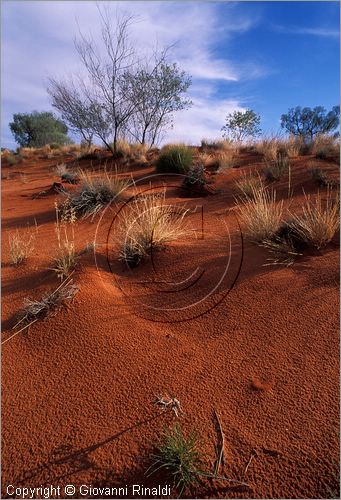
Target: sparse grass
174 159
14 159
179 457
149 222
318 175
249 183
66 258
21 245
275 170
226 159
96 192
66 175
260 214
49 303
268 147
319 220
325 146
215 144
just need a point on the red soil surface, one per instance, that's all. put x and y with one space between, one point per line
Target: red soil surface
259 346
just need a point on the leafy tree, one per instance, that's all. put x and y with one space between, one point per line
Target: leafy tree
307 122
241 124
157 94
37 129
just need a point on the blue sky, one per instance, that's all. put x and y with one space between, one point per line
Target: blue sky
265 55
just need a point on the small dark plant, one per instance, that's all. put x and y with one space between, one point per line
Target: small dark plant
179 457
319 176
277 168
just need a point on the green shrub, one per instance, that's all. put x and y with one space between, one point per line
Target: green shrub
175 159
54 145
179 457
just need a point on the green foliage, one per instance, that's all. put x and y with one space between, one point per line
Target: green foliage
309 122
174 159
180 457
241 124
37 129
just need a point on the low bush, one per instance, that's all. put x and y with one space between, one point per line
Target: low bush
174 159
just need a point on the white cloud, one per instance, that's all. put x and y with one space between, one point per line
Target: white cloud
317 31
38 42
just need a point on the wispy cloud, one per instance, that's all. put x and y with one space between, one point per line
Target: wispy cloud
298 30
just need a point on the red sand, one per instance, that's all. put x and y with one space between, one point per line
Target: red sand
77 388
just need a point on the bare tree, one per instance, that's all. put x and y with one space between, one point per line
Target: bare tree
68 101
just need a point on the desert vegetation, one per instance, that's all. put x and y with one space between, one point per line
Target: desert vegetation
212 269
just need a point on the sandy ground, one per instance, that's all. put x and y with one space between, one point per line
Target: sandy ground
205 321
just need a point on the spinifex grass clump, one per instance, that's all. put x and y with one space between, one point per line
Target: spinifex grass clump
179 457
175 159
96 192
260 213
319 220
149 222
277 168
250 183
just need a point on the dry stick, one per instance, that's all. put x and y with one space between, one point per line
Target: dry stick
16 333
253 454
222 478
221 453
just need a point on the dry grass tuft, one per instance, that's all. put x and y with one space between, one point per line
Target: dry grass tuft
275 170
216 144
21 246
318 175
249 183
325 146
149 222
66 259
49 303
282 249
66 175
96 192
260 214
319 220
